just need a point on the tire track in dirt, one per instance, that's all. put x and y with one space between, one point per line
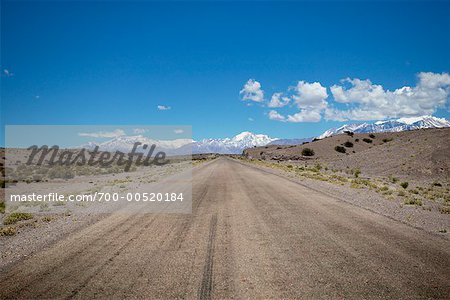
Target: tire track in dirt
207 280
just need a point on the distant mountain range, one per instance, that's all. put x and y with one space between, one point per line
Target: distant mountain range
402 124
236 144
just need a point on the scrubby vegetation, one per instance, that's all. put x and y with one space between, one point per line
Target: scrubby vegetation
348 144
387 140
32 173
369 141
7 231
413 201
16 217
445 210
308 152
372 135
404 184
2 207
349 133
340 149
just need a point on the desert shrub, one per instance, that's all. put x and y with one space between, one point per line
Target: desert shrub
372 135
357 172
290 166
413 201
387 140
7 231
416 192
2 207
404 184
348 144
437 183
278 148
340 149
394 179
367 140
401 193
315 140
16 217
445 210
356 140
349 133
47 219
308 152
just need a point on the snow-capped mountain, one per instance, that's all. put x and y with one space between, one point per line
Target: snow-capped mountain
126 143
234 145
402 124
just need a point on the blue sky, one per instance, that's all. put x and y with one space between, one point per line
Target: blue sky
115 62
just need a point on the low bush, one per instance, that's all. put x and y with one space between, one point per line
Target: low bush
404 184
387 140
340 149
445 210
308 152
413 201
7 231
349 133
16 217
367 140
394 179
372 135
348 144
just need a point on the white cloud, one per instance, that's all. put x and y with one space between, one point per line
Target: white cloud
356 99
178 131
274 115
251 119
103 134
368 101
305 115
37 97
310 95
139 130
252 91
278 100
8 73
163 107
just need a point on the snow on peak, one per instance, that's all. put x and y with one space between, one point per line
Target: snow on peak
402 124
412 120
243 135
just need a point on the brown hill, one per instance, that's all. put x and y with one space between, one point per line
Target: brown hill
420 154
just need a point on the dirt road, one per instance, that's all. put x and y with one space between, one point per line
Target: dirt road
251 235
